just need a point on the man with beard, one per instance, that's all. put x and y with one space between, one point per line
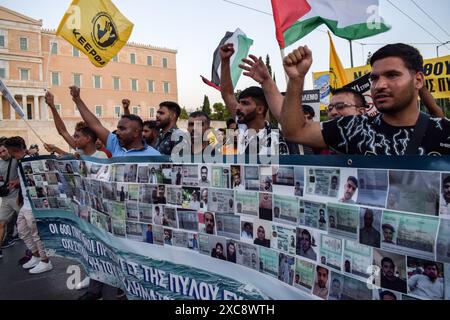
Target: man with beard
397 77
127 141
166 120
349 190
204 182
388 278
320 287
428 284
150 132
445 202
256 134
304 248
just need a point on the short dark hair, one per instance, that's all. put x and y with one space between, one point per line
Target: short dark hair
257 94
446 180
172 106
150 124
307 233
387 259
354 180
411 57
88 132
247 224
197 114
230 122
135 118
356 94
388 226
430 264
80 125
2 141
15 142
319 267
387 293
309 110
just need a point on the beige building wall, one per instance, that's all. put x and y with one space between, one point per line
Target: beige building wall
146 75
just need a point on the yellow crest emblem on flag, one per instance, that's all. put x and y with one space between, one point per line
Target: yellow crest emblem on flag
97 28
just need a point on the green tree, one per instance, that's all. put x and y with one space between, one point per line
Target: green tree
206 108
184 114
221 112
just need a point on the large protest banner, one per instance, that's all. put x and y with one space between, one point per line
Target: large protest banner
437 78
307 228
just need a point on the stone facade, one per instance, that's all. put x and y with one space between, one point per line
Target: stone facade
33 60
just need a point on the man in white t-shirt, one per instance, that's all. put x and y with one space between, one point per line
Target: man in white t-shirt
428 284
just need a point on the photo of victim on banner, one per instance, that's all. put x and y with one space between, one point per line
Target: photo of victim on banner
281 231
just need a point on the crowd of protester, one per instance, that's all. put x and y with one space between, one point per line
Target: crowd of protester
399 128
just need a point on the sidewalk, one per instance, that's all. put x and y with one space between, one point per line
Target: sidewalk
18 284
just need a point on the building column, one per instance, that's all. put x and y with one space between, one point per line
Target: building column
24 106
44 110
12 111
36 108
1 107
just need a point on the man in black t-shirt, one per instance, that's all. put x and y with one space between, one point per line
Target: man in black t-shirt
397 77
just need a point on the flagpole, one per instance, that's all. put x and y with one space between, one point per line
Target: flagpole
351 52
282 63
37 135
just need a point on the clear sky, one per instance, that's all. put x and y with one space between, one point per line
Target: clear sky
195 27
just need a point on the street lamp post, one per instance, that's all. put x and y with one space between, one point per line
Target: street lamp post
441 45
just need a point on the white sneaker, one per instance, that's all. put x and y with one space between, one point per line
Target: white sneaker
83 284
33 262
42 267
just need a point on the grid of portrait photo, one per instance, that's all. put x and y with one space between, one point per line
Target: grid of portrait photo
333 233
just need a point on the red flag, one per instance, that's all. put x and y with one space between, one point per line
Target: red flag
286 13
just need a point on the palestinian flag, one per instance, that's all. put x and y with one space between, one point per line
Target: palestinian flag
348 19
242 46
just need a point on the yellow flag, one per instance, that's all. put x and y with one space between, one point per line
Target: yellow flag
97 28
338 78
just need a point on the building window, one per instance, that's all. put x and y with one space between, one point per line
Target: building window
3 69
23 44
151 86
75 110
136 110
117 111
24 74
75 52
152 113
99 111
97 82
2 41
165 63
115 58
54 48
166 87
149 60
133 58
134 85
55 79
116 83
77 80
58 109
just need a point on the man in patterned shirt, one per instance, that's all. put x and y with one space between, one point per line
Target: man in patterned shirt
397 77
166 120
